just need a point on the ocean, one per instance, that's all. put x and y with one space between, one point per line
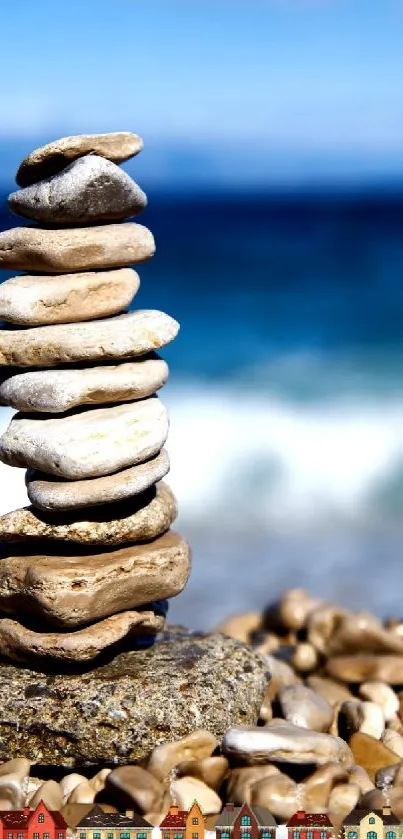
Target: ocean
285 394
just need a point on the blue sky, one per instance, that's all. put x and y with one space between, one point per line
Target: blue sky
305 81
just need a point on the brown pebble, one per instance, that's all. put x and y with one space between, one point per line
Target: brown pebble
51 795
331 690
318 787
371 754
343 799
210 770
187 790
278 793
243 778
132 785
241 626
198 745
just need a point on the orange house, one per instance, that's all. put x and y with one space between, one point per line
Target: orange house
180 824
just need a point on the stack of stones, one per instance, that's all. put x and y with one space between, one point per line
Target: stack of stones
93 560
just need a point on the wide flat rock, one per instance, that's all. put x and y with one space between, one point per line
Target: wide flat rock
88 443
52 158
123 337
120 711
139 519
91 189
67 298
23 644
56 391
72 588
75 249
46 493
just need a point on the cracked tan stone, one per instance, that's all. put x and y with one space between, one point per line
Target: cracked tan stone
119 338
75 248
90 189
47 160
57 391
19 643
88 443
71 590
67 298
141 518
47 493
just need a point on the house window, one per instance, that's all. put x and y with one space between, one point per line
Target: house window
266 834
9 836
141 836
195 836
122 836
246 835
166 835
225 834
390 834
36 835
60 836
178 835
195 821
309 834
96 836
19 835
245 821
371 820
83 835
46 836
352 834
323 834
371 834
41 818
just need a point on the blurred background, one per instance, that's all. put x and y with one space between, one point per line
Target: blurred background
273 163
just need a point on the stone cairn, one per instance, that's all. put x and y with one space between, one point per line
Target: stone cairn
93 560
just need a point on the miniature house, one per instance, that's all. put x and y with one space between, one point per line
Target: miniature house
99 825
304 825
374 824
245 823
40 823
183 824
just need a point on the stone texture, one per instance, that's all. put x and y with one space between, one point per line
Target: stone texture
118 712
49 494
75 249
52 158
67 298
57 391
71 590
122 337
139 519
382 694
188 790
51 795
87 443
210 770
282 742
91 189
21 644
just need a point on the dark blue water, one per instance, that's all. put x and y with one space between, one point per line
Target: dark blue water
286 392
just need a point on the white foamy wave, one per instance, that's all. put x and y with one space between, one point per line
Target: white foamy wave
251 460
265 460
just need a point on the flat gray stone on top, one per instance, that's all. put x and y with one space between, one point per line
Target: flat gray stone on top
87 443
122 337
53 157
91 189
49 493
119 711
56 391
75 248
67 298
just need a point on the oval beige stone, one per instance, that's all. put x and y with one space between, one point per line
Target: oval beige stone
282 741
53 157
46 493
67 298
57 391
197 745
123 337
75 249
19 643
88 443
141 518
69 590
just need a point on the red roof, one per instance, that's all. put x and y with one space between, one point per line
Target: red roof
175 820
302 819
